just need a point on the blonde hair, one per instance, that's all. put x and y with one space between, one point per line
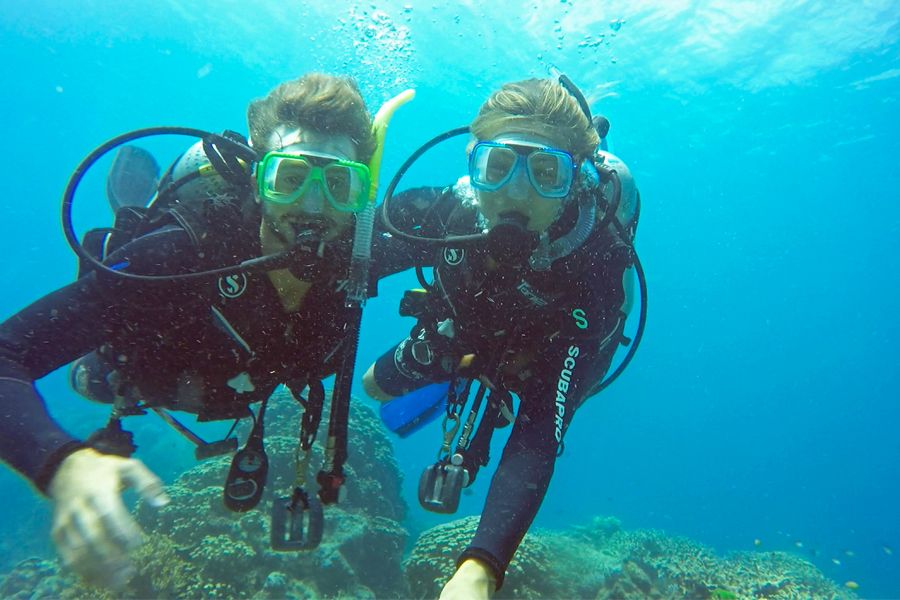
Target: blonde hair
323 103
537 105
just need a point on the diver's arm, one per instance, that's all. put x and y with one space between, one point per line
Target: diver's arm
420 211
568 370
565 371
63 326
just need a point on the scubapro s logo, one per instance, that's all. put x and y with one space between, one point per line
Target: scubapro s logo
454 256
581 321
232 286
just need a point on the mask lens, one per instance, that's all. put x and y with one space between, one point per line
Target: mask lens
499 164
550 172
283 178
338 183
491 165
346 185
290 175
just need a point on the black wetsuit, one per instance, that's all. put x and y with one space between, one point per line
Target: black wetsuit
228 339
548 337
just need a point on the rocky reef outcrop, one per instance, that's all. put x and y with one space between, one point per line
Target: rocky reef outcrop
196 548
605 562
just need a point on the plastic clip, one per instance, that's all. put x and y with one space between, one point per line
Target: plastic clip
329 486
440 487
297 522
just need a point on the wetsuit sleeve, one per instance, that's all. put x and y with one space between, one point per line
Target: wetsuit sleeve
63 326
420 211
565 373
568 371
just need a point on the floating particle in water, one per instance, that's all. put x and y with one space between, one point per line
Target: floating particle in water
836 561
757 542
59 89
616 24
379 44
851 585
204 70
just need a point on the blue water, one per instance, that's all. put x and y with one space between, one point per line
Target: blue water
763 137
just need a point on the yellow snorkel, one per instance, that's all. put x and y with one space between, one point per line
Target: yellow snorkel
331 476
358 288
379 129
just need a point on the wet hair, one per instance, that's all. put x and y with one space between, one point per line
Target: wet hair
323 103
541 105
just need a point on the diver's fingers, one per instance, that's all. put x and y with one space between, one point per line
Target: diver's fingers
119 527
68 538
149 486
100 559
89 527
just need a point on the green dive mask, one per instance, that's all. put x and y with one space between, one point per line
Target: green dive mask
283 178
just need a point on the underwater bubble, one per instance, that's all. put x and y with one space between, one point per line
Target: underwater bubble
591 42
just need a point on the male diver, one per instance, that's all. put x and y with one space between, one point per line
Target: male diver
207 345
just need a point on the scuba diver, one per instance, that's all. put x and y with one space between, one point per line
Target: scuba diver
241 275
532 281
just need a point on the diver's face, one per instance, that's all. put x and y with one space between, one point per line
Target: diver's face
518 198
281 223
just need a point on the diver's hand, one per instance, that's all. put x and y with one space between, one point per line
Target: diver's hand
92 529
472 581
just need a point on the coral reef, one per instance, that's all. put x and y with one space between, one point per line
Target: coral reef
32 578
603 561
196 548
432 562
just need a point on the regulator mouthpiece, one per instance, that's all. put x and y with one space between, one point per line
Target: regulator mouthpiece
509 242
